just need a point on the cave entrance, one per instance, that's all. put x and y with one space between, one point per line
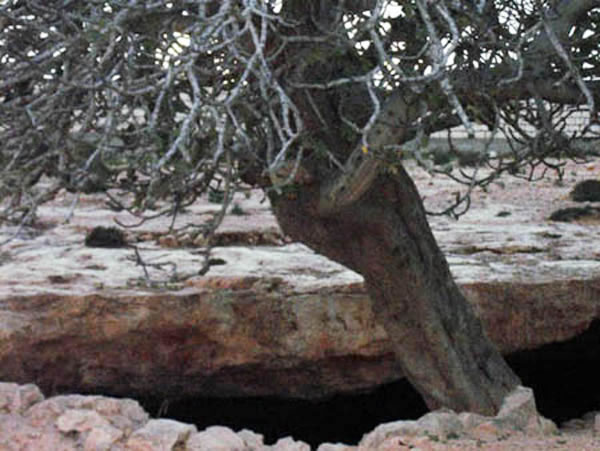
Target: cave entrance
342 418
564 377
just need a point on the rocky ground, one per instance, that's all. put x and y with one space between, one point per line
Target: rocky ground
30 422
274 319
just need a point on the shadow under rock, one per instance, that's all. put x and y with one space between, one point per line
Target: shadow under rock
564 377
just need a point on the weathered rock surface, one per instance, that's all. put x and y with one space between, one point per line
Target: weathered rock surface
518 414
30 422
275 319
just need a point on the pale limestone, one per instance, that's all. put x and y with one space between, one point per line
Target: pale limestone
336 447
518 411
215 438
289 444
16 398
471 420
80 420
275 303
487 430
439 424
252 440
102 438
74 422
161 434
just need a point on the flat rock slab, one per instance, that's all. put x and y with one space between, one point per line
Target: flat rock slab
275 318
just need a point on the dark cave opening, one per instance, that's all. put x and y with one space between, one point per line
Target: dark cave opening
563 376
342 418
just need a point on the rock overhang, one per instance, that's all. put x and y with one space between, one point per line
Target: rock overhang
274 319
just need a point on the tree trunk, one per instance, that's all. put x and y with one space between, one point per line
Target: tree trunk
385 237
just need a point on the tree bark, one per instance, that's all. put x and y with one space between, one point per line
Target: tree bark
385 237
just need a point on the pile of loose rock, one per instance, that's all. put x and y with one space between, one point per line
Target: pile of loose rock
28 421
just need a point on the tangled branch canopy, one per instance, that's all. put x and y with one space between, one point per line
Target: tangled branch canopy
162 101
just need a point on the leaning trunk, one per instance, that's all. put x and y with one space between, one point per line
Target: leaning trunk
385 237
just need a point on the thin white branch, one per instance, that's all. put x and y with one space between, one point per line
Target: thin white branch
560 50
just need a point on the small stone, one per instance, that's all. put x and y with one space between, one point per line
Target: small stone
586 191
102 438
571 214
289 444
131 409
597 424
161 434
215 438
335 447
16 398
108 237
519 413
251 439
518 408
440 424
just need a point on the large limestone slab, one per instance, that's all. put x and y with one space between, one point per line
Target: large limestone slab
274 319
